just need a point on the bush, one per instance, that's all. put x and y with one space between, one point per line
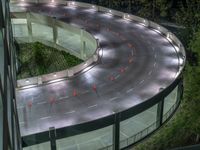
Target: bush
37 59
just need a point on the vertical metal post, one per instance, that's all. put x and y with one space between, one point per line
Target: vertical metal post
116 132
2 23
7 140
55 33
159 117
179 92
30 32
83 45
84 49
52 137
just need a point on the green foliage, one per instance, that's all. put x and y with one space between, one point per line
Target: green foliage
195 42
188 15
184 12
37 59
147 9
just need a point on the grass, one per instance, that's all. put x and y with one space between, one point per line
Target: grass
37 59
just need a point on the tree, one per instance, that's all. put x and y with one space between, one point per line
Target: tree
188 14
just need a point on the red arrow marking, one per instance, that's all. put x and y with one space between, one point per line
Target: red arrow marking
30 104
74 93
94 87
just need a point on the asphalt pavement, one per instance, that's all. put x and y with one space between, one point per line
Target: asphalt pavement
136 62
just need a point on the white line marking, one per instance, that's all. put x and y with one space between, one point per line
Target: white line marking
117 76
63 97
128 91
114 98
85 92
70 112
92 106
40 103
141 81
45 118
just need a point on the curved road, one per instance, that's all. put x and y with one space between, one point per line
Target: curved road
136 62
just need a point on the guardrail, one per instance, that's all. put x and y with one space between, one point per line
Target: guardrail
163 31
142 134
56 76
55 26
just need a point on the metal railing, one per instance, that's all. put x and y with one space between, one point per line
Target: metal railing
57 76
172 38
144 133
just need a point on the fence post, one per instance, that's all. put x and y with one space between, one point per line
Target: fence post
180 92
83 44
159 117
116 132
55 32
29 25
52 137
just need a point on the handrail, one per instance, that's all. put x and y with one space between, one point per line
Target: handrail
174 41
56 76
134 138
